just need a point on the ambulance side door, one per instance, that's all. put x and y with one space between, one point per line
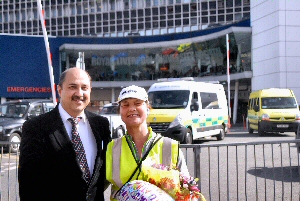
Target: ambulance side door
210 110
197 116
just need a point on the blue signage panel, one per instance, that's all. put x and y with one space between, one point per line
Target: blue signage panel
24 71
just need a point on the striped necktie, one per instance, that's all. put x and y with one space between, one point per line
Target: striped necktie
79 149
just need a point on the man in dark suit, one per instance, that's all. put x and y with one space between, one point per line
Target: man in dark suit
48 165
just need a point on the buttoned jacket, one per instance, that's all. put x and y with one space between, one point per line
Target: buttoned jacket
48 168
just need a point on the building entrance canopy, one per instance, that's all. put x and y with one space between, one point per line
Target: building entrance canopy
194 57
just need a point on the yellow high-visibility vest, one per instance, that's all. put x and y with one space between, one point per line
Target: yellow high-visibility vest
121 163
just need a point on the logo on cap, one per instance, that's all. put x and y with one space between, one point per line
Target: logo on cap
133 92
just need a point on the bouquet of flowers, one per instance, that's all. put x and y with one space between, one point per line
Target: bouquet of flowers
179 186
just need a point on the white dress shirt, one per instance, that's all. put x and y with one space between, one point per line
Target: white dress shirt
86 136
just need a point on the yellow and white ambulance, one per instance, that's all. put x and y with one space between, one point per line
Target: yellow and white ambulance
273 110
188 110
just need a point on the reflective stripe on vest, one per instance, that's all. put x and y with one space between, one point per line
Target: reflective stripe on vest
116 163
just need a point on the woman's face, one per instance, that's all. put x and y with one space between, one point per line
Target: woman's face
133 111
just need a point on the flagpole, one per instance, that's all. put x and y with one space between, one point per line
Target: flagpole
43 22
228 78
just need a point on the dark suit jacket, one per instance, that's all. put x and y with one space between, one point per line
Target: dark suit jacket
48 169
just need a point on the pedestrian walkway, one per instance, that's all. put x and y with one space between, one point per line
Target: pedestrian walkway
238 127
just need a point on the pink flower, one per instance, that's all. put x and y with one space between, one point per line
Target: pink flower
194 188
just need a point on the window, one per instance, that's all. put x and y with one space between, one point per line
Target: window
17 14
5 17
134 4
98 5
212 5
250 104
78 9
36 111
204 6
35 14
148 3
112 5
59 11
126 4
85 8
169 99
11 16
209 100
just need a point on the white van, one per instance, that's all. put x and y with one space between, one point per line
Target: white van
188 110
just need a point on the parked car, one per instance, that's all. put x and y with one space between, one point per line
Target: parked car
117 126
14 113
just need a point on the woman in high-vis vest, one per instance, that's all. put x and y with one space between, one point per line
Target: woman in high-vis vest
140 146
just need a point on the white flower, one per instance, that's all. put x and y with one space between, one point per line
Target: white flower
185 185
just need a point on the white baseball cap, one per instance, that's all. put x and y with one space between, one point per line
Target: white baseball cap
133 92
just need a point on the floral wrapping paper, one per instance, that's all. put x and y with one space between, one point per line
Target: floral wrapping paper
139 190
179 186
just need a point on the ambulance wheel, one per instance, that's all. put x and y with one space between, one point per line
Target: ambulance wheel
221 136
261 132
188 139
250 130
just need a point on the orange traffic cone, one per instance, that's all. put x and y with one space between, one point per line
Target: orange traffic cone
229 124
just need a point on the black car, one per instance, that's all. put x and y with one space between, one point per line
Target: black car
14 113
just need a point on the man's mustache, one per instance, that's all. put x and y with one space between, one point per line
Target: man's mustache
82 98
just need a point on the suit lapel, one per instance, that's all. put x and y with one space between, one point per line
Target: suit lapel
60 134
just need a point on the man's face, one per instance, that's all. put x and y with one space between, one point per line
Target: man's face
75 92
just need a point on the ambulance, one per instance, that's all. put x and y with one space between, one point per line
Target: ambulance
273 110
186 110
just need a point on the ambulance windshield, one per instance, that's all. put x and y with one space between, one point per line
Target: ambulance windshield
278 103
169 99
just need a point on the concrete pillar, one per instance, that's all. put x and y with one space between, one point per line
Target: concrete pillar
67 61
199 66
235 101
113 98
157 60
112 64
238 58
80 61
3 100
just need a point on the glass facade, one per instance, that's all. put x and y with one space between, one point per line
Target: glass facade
194 59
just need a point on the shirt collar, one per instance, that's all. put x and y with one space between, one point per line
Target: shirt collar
147 145
151 134
65 116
